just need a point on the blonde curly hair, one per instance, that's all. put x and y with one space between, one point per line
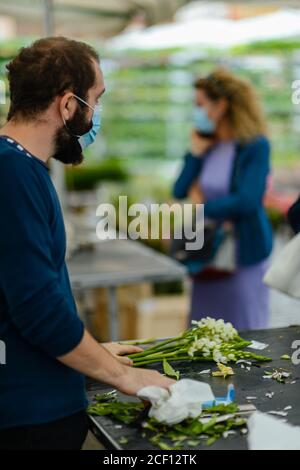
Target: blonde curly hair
244 114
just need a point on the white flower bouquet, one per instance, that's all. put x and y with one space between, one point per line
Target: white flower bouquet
207 340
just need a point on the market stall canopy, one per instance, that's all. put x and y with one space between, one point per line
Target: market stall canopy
100 18
104 18
218 33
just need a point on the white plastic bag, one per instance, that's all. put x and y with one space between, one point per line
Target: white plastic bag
284 273
269 433
183 400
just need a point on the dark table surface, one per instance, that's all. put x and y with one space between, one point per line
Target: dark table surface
247 383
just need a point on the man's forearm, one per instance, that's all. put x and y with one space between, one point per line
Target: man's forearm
93 360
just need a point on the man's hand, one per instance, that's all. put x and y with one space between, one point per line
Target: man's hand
134 379
120 351
96 361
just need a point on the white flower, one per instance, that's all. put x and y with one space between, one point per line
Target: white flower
200 343
217 356
210 336
191 351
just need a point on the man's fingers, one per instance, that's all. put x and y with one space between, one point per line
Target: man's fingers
125 360
134 349
128 349
162 381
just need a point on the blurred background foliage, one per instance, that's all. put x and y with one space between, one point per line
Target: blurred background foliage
147 114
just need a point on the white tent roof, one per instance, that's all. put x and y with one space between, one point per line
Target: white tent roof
87 18
212 33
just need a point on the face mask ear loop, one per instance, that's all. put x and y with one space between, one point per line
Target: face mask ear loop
64 121
85 102
71 133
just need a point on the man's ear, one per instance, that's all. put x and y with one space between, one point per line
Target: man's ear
67 106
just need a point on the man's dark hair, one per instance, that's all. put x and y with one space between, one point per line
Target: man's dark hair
45 70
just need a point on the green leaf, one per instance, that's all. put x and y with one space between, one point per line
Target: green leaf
165 437
107 397
222 409
192 443
285 357
169 371
208 425
123 440
211 441
126 412
164 446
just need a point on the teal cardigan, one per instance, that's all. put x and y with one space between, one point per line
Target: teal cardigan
243 206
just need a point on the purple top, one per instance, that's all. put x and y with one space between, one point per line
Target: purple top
219 163
242 298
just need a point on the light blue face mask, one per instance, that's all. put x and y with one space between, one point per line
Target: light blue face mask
202 123
89 138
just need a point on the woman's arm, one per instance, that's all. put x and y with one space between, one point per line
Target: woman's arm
191 168
195 193
193 162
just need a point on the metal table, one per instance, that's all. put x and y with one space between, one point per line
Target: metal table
120 262
247 384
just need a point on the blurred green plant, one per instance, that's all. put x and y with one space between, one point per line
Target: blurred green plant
271 46
276 218
87 177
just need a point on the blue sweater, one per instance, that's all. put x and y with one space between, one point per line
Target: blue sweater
38 316
244 205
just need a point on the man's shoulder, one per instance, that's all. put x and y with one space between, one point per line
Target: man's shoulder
21 178
16 163
19 173
10 156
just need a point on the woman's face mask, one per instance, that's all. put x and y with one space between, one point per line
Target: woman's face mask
202 123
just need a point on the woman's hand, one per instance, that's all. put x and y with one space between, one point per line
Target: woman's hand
195 193
120 351
199 145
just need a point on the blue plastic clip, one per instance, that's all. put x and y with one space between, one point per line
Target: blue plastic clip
221 400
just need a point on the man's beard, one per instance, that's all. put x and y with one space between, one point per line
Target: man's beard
67 147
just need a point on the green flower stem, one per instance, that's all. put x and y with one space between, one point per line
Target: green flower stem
160 357
175 358
180 355
175 349
155 348
140 342
239 345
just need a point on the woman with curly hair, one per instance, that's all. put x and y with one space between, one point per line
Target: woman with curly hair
227 170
